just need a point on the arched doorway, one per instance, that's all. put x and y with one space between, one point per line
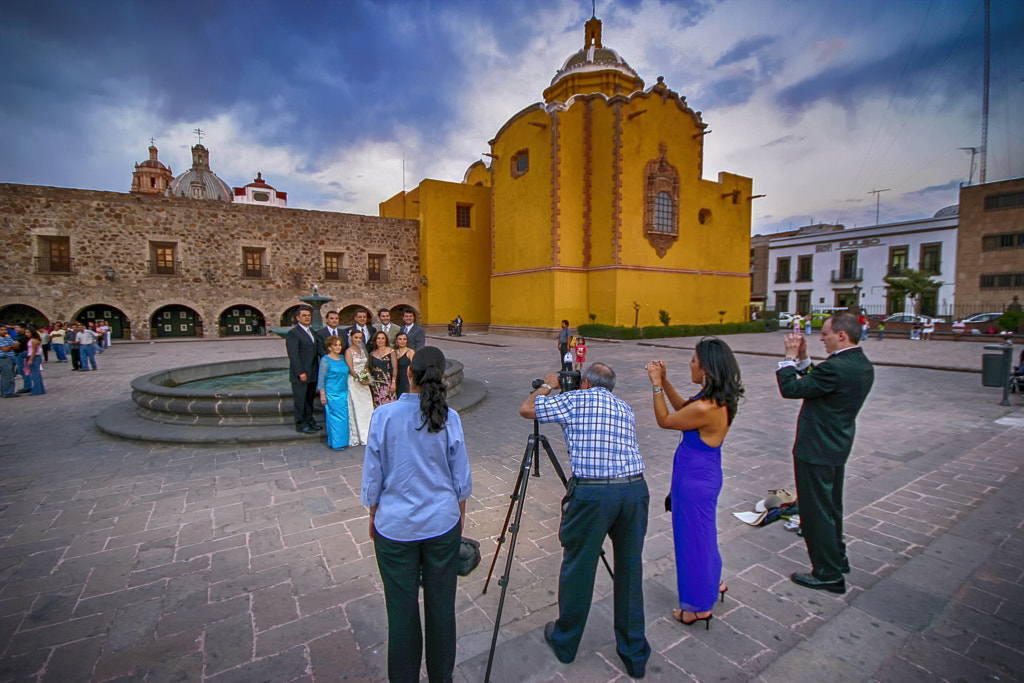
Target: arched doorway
399 309
20 313
120 326
176 321
242 321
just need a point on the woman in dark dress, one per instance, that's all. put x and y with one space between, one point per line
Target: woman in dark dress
704 421
383 370
404 354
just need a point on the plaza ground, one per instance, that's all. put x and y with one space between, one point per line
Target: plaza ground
122 560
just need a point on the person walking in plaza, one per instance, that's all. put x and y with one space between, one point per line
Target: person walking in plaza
404 355
606 496
86 347
416 481
563 345
833 392
704 420
57 340
332 384
360 399
8 348
383 370
302 369
34 361
417 337
74 350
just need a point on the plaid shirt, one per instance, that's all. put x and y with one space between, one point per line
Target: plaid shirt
599 428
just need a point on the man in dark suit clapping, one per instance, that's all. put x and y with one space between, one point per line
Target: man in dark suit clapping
302 369
833 393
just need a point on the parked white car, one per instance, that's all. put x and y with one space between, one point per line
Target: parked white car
983 318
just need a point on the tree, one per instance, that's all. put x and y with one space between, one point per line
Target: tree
912 283
664 317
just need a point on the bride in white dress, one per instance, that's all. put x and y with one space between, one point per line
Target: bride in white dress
360 400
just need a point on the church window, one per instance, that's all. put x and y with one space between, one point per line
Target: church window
520 163
463 215
260 197
661 202
704 217
664 212
332 266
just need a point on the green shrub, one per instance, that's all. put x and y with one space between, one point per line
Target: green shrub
1011 321
664 317
666 331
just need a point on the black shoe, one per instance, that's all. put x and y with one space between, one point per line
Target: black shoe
549 637
318 427
633 670
22 391
811 581
308 430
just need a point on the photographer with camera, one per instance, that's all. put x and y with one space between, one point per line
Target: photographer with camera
606 496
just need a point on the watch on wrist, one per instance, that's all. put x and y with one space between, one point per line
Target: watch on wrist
545 386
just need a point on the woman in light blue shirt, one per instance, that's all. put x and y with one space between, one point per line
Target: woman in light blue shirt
416 481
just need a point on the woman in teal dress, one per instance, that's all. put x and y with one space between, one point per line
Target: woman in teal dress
332 381
704 421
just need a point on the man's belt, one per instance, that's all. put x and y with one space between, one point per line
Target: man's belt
611 480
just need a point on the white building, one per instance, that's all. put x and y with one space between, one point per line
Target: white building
828 270
259 192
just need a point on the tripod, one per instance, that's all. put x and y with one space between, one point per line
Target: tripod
531 458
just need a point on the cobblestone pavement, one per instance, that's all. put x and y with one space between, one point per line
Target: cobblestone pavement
128 561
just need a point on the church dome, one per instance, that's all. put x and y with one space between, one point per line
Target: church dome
199 182
593 69
152 161
948 211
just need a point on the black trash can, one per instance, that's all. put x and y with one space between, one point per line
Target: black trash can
993 369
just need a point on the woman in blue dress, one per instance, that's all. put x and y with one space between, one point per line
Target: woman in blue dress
704 421
332 382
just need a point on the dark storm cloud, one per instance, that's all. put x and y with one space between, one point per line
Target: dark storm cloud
784 140
728 91
745 48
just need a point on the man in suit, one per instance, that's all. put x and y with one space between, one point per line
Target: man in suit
361 324
833 393
417 337
302 369
330 329
386 326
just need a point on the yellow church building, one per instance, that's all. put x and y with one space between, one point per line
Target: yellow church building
592 202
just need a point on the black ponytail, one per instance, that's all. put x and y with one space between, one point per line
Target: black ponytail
427 373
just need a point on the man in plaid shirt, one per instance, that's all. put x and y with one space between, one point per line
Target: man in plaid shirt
606 496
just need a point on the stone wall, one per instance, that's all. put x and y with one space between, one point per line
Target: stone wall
112 235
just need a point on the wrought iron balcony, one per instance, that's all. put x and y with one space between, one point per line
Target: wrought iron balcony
848 275
163 267
61 266
261 271
378 276
336 275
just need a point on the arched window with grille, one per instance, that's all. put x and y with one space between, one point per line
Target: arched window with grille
661 202
664 213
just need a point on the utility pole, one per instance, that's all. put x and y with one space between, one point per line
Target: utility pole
878 200
974 153
984 104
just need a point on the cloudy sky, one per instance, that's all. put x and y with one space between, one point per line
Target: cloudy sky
819 101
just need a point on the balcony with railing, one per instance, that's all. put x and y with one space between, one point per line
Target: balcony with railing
163 267
336 274
260 271
378 276
931 268
781 277
47 265
848 275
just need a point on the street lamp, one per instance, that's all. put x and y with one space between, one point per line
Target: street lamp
856 299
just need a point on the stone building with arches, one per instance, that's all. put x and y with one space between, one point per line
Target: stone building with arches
155 266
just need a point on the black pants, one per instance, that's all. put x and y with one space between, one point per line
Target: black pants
401 564
303 394
819 490
589 513
76 358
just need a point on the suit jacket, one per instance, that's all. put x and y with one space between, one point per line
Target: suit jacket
323 333
417 337
833 393
367 343
302 355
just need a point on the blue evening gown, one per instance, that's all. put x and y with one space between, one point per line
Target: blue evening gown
333 377
696 483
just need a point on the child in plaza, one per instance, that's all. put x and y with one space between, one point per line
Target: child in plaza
581 353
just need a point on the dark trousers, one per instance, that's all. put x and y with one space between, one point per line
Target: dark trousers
6 376
562 350
401 563
76 358
303 394
819 490
589 513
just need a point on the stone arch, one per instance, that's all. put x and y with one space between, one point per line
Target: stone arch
348 314
176 320
16 313
120 323
288 317
241 320
398 309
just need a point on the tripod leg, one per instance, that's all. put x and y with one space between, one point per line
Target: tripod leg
519 498
524 470
565 482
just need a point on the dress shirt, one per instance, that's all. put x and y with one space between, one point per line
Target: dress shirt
332 331
600 430
416 478
308 332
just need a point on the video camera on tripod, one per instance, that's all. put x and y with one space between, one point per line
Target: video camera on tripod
568 380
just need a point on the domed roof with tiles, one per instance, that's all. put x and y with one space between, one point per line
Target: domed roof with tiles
199 182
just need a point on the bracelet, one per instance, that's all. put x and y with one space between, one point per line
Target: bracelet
658 390
545 386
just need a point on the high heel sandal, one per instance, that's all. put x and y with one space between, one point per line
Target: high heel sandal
722 590
678 614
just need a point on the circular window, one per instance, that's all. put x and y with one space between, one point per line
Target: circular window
704 217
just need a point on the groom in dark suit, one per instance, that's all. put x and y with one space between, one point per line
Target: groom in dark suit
833 393
302 369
